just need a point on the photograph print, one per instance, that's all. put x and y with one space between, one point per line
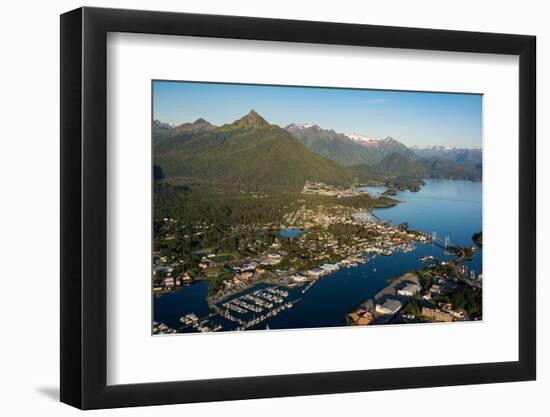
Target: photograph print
285 207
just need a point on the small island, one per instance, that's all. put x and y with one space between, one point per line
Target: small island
478 239
440 291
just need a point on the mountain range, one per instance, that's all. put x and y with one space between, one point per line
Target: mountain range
250 154
330 144
389 156
462 156
347 149
253 154
177 134
381 148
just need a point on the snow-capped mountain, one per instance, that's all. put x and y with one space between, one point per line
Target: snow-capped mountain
360 138
462 156
301 126
330 144
380 148
347 149
440 148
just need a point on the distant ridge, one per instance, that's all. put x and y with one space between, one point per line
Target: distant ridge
171 137
432 167
462 156
398 164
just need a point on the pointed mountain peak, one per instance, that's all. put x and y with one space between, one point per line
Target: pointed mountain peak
252 119
201 121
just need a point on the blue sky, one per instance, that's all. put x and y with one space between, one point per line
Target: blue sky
411 117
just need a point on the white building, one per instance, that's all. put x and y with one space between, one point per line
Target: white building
329 267
299 278
409 290
316 272
390 307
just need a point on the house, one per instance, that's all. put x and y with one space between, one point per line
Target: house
360 317
409 290
244 276
162 270
389 307
169 282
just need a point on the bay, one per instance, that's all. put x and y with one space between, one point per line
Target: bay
451 209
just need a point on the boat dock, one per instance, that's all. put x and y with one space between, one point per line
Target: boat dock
245 311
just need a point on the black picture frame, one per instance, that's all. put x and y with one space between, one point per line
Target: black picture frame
84 207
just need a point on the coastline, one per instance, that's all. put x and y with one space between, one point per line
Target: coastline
283 277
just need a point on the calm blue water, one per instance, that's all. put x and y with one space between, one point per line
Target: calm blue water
168 308
290 233
449 208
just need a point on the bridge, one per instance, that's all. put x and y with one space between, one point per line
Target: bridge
375 216
442 243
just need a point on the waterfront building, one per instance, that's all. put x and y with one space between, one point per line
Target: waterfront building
409 290
316 272
299 278
361 317
389 307
329 267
